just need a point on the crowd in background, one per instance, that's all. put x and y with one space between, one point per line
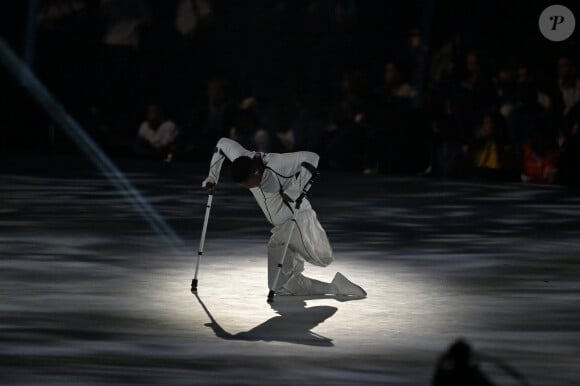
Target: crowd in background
361 83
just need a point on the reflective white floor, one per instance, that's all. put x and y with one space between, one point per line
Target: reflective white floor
90 295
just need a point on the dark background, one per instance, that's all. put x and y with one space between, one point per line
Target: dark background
293 58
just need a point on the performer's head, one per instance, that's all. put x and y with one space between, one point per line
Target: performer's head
248 171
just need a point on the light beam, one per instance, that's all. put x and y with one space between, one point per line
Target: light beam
19 70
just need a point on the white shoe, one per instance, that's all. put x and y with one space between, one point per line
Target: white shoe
346 287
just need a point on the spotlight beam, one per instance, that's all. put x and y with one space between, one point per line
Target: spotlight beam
20 71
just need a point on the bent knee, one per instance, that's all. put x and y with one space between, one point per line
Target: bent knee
320 261
327 260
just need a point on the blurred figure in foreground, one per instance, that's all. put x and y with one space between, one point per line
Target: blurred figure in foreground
459 366
456 367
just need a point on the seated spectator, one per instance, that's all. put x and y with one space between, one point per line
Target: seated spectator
486 148
219 108
540 157
361 138
119 87
492 154
443 66
473 94
247 129
527 111
211 119
526 92
262 141
568 82
286 139
447 156
505 86
395 89
156 134
283 138
342 144
312 119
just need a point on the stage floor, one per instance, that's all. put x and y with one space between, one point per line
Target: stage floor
90 294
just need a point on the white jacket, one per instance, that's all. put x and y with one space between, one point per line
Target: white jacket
163 136
283 173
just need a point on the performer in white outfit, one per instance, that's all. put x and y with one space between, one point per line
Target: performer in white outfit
276 181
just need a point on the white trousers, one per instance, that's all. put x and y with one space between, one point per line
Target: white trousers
308 243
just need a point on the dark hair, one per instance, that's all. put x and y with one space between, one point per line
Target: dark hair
500 134
157 105
242 167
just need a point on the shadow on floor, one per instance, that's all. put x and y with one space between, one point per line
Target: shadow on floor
293 324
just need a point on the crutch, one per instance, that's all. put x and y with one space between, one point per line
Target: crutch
307 186
201 242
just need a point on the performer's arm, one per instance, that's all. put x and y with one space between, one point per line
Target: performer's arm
225 148
294 165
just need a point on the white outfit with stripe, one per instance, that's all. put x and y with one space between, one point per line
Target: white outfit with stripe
284 174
